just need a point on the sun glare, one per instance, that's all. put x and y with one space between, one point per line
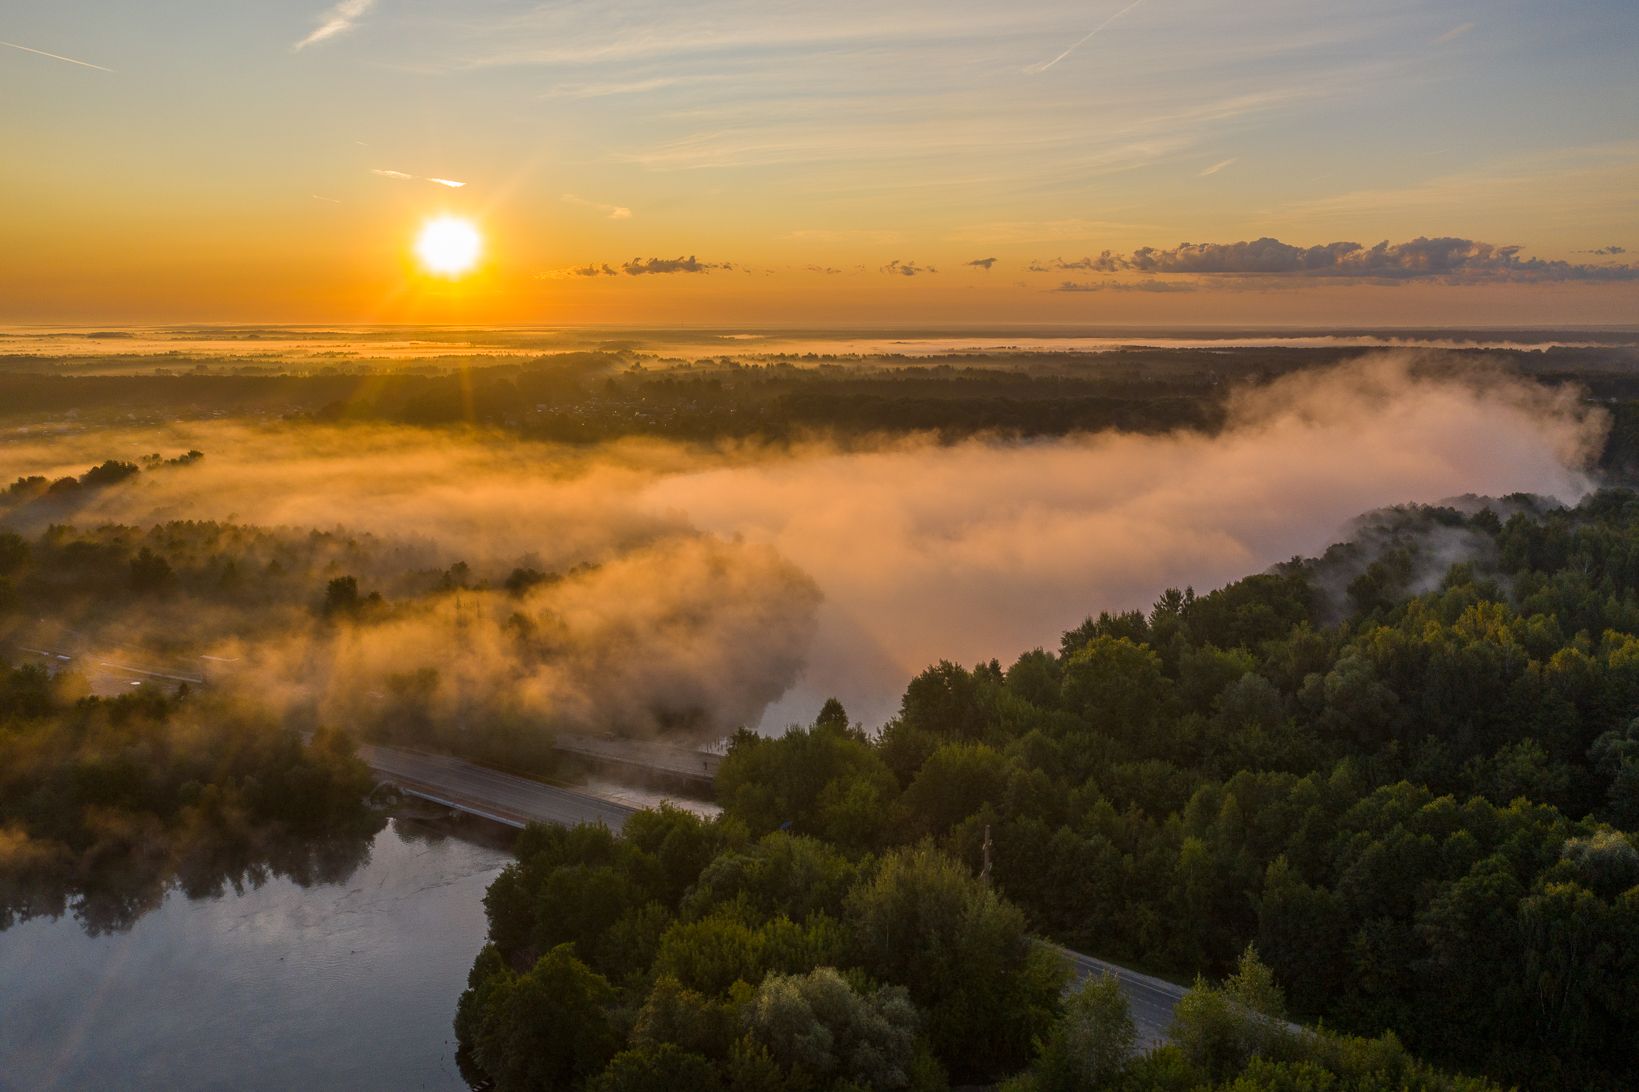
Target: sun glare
448 246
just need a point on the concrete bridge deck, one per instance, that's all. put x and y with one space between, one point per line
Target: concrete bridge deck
490 794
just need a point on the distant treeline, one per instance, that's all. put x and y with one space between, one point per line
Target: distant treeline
585 397
592 396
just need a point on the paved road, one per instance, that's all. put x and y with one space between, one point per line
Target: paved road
108 678
1151 999
490 794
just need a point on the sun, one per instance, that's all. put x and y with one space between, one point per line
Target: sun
448 246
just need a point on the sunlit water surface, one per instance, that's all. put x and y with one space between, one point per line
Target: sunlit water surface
349 986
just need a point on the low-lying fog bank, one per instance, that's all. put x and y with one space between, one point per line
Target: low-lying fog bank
756 581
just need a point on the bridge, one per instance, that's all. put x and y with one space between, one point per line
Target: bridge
490 794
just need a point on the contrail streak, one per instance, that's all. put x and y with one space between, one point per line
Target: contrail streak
1037 69
56 56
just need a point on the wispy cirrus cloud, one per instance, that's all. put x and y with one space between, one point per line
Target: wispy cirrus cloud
1218 166
866 236
337 20
1454 33
1563 188
873 99
55 56
611 212
1040 231
587 34
613 88
405 176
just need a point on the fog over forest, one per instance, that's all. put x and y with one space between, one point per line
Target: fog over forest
747 581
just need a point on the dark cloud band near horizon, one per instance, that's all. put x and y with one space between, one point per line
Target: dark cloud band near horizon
1446 259
1449 260
637 267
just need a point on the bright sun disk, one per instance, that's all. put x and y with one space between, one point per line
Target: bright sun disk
448 246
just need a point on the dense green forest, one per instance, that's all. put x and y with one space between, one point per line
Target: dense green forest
687 955
1408 782
1413 804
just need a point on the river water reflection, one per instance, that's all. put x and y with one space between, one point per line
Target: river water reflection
346 986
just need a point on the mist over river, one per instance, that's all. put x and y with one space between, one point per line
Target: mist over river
350 985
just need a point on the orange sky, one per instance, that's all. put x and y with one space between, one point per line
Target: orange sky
834 166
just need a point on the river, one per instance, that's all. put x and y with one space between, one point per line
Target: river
350 985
